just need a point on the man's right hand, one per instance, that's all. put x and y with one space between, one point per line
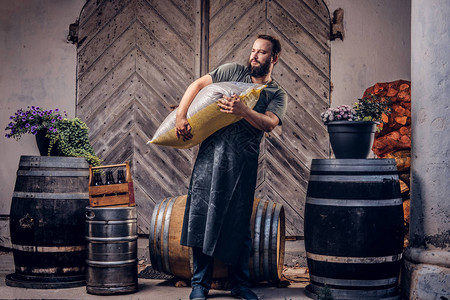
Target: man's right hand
183 128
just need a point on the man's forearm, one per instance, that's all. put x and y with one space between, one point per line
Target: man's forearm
266 122
191 92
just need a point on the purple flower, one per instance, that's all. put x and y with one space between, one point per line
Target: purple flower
27 125
34 112
38 108
53 120
41 114
60 118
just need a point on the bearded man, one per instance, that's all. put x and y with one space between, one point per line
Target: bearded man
221 192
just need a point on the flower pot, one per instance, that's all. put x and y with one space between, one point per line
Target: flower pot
351 139
43 144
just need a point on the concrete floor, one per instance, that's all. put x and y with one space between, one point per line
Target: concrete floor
165 289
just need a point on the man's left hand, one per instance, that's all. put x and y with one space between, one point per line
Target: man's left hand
232 105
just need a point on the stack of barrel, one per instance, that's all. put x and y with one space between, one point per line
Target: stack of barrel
353 229
111 233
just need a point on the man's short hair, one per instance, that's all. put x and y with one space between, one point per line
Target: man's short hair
276 45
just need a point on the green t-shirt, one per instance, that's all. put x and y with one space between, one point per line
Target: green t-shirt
273 98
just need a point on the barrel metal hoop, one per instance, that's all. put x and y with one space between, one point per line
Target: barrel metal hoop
166 263
354 282
355 260
273 243
47 249
354 202
112 239
54 270
151 238
384 294
110 263
112 222
352 178
45 173
267 231
257 240
59 196
158 246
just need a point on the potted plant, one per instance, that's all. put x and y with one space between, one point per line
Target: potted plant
55 133
352 128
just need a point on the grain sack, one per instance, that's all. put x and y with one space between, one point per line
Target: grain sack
204 115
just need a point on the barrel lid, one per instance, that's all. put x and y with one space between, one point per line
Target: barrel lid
118 213
354 165
53 161
350 161
58 196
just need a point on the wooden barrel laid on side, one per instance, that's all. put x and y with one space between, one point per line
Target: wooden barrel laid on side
47 222
111 261
354 228
268 240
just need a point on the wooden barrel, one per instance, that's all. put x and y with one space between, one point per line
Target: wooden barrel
47 222
354 228
268 237
111 261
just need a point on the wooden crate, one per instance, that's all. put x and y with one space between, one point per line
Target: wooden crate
111 194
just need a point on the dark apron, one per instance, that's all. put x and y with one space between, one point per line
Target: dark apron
221 192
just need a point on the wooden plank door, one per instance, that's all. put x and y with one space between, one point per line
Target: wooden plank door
303 71
136 58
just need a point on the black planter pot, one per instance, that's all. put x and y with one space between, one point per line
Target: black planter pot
43 144
351 139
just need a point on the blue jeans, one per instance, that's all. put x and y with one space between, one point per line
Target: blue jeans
238 274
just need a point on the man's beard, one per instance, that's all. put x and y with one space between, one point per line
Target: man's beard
258 71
